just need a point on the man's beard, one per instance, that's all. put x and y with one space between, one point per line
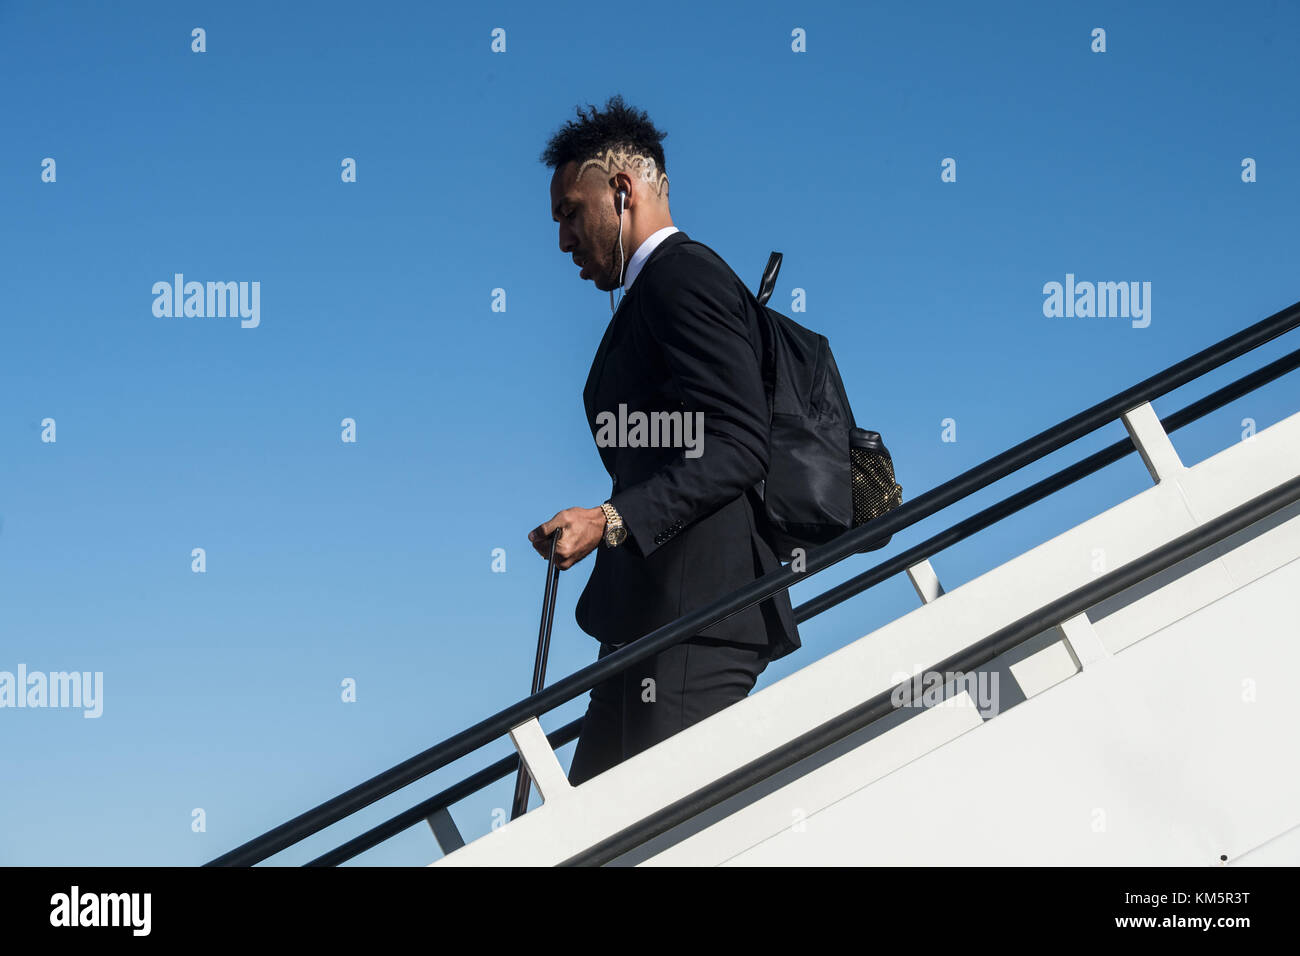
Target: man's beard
617 263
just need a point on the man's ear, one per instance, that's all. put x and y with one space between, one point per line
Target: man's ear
621 183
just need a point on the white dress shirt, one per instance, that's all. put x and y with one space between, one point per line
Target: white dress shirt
643 252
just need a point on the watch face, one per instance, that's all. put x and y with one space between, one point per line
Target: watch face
615 536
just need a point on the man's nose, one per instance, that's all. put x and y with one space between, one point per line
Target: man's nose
568 241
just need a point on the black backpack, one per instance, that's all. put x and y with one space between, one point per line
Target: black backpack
825 476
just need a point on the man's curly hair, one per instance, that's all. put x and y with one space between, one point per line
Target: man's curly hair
618 138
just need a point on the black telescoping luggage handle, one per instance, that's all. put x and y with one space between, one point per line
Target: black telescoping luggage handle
523 782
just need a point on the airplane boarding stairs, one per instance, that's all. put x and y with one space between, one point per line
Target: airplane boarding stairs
1119 694
1159 726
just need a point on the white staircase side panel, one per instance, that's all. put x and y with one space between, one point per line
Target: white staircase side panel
816 788
834 684
1276 600
1179 751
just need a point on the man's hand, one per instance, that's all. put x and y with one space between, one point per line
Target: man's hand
581 530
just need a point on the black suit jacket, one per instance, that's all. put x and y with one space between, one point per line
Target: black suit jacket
685 339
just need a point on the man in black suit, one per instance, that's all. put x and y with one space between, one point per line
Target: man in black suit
676 403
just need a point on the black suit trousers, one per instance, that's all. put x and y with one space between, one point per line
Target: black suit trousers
654 699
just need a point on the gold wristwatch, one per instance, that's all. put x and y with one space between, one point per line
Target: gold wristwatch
615 532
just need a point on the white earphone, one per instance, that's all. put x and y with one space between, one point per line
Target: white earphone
622 195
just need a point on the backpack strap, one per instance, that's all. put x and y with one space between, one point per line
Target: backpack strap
768 283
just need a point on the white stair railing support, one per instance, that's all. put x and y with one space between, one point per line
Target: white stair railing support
925 580
540 760
1152 443
445 831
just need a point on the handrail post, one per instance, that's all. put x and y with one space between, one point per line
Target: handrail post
539 760
445 832
1152 442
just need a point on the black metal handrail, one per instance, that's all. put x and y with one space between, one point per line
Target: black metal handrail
851 542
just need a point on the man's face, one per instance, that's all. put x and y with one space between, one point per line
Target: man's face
588 224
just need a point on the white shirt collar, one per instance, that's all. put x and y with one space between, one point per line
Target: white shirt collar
642 253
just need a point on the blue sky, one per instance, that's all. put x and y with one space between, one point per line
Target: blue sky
373 560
